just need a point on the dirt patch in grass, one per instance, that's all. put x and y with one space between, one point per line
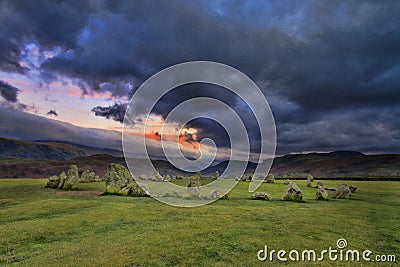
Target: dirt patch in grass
80 193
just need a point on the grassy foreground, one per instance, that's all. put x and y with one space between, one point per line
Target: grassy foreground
39 227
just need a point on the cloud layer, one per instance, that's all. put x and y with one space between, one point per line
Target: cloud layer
329 69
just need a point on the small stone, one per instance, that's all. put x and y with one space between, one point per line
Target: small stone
261 196
270 179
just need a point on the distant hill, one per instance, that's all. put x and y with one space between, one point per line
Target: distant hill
51 150
340 164
44 158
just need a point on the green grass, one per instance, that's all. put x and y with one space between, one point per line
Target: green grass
41 228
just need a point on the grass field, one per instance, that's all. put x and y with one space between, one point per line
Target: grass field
39 227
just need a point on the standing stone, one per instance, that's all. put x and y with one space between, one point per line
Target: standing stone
287 181
343 191
293 193
72 180
193 186
216 175
63 177
321 193
270 179
310 180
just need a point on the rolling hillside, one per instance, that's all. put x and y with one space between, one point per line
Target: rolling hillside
12 148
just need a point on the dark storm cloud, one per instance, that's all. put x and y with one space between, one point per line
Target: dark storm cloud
115 112
52 112
48 22
314 60
8 92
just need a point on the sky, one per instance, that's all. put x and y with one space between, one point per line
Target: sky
330 70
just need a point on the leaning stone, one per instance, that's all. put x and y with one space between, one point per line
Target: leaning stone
343 191
321 193
293 193
261 196
72 180
310 180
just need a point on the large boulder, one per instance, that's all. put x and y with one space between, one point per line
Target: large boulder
72 180
293 193
321 193
343 191
270 178
261 196
120 181
310 180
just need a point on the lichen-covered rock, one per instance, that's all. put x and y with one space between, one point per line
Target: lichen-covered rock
293 193
343 191
87 177
270 178
320 184
352 188
117 177
321 193
261 196
120 181
310 180
53 182
287 181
